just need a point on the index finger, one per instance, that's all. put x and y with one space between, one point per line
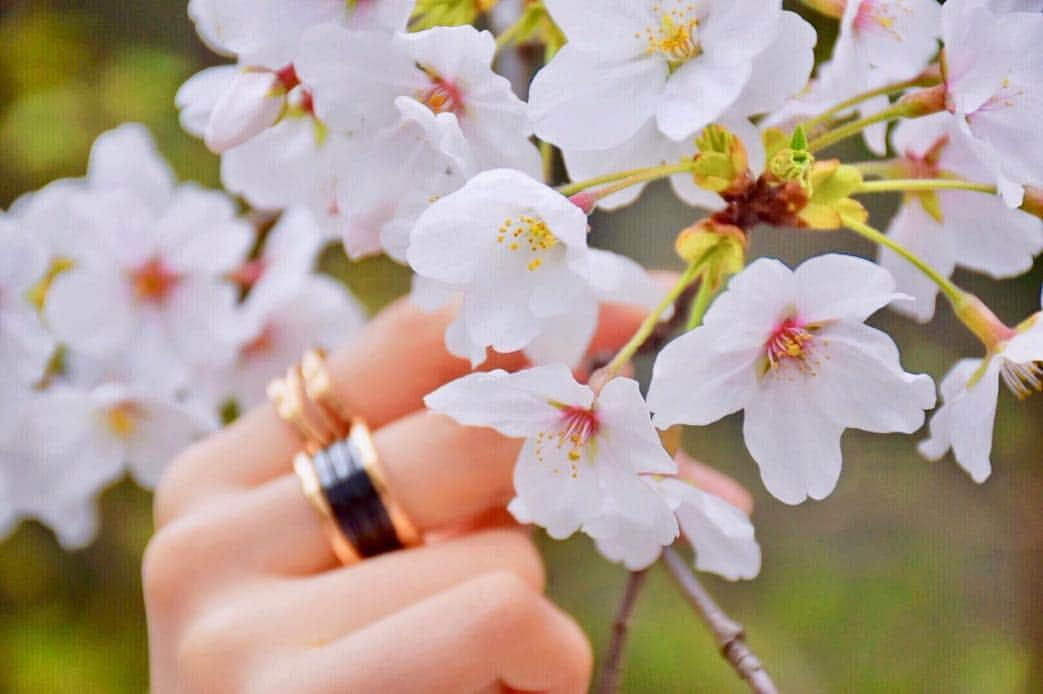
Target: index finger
382 375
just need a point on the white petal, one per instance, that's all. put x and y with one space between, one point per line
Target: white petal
570 97
199 232
91 309
781 70
859 382
913 228
627 427
796 446
845 287
557 494
756 300
988 236
608 28
251 103
965 420
564 338
355 76
126 158
721 534
699 93
694 383
516 404
195 99
1027 345
162 429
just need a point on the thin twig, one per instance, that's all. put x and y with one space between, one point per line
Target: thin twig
727 632
612 670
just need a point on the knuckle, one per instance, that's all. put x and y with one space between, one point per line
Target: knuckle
170 559
170 494
524 557
504 599
210 655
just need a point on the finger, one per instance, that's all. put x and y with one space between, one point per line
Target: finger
441 473
715 482
492 630
382 375
321 608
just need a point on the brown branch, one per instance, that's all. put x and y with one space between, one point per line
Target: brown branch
728 633
611 669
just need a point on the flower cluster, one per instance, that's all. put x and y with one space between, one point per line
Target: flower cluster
123 331
386 126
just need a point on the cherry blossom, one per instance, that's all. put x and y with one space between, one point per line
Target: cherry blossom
950 228
25 345
889 40
267 32
291 308
779 72
721 534
583 453
517 252
72 443
789 347
970 392
683 63
359 80
150 288
995 87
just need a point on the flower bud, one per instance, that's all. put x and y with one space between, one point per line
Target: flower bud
923 102
721 163
831 185
253 103
722 247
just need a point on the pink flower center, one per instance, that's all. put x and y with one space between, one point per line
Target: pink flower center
879 16
442 96
925 166
261 344
577 427
790 342
153 282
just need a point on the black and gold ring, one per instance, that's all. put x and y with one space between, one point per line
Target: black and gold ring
346 483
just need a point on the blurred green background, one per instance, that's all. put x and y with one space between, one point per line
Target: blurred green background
910 578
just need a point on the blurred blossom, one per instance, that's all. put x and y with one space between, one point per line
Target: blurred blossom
149 287
288 310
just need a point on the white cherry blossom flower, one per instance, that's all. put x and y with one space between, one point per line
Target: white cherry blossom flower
149 289
889 40
358 80
291 308
267 32
970 392
580 466
253 102
949 228
779 71
72 443
995 88
25 344
295 162
789 347
683 63
721 534
517 252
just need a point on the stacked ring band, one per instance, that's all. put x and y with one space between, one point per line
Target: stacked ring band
339 470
